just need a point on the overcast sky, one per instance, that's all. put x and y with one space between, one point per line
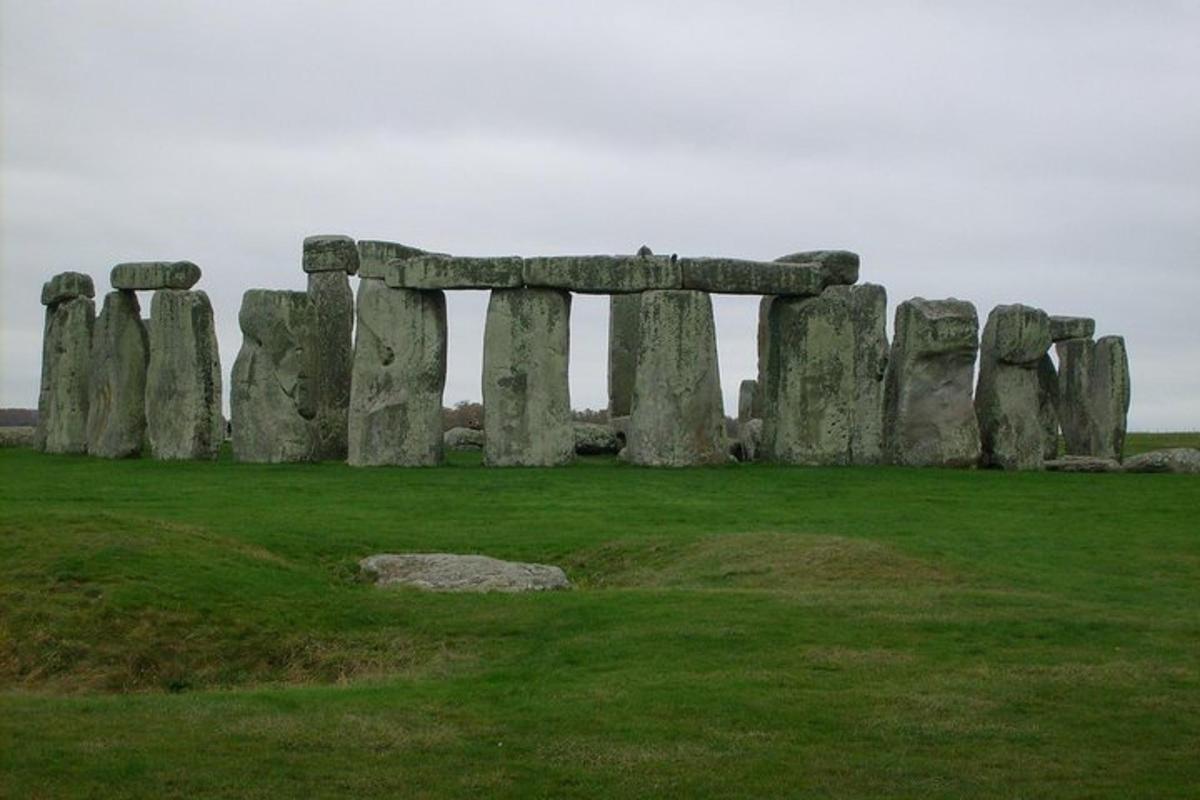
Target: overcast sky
1046 153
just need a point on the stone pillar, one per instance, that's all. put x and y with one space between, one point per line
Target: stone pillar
867 306
929 416
1008 398
183 379
117 388
1048 406
1075 359
623 311
66 353
272 397
764 349
526 397
1093 395
1110 396
328 261
678 417
747 391
399 373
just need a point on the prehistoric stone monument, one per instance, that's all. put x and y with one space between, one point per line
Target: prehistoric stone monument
66 352
117 388
329 261
1093 388
1009 397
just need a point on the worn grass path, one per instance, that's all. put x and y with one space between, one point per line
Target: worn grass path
171 630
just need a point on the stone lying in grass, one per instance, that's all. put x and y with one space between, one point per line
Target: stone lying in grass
448 572
1179 460
463 439
1082 464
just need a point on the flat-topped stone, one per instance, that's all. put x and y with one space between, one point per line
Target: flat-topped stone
839 267
603 274
330 254
455 272
150 275
1177 460
374 256
66 286
449 572
1063 328
1081 464
741 276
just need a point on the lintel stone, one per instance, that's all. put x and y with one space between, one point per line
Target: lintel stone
431 272
840 267
153 275
603 274
740 276
66 286
1063 328
330 254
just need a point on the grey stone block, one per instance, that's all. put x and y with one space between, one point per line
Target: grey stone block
455 272
838 267
67 286
146 275
1093 395
603 274
183 378
867 306
117 387
739 276
747 391
1008 398
66 368
333 310
330 254
1062 328
624 311
374 256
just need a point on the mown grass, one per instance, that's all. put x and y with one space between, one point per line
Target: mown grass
201 630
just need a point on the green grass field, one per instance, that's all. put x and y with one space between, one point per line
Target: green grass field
200 630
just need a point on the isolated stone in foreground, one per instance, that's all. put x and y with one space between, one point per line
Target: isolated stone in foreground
1062 328
447 572
603 274
183 379
838 267
66 286
455 272
330 254
739 276
66 368
117 387
147 275
1178 460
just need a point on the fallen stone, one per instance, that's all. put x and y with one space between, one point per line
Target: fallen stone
1008 398
526 397
624 311
1081 464
678 418
183 378
594 440
144 275
333 315
330 254
738 276
463 439
116 424
374 257
455 272
603 274
838 267
399 375
867 306
1177 460
929 416
18 436
1062 328
747 390
66 369
447 572
67 286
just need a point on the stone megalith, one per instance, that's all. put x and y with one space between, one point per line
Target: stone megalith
1110 395
1048 406
272 397
526 397
929 417
1093 395
747 390
764 348
678 418
623 313
1009 396
117 387
398 376
329 260
66 356
867 306
183 378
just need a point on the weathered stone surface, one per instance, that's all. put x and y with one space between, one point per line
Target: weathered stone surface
463 439
1048 405
1111 393
330 254
18 436
333 311
374 256
526 397
603 274
678 418
1093 395
867 306
838 267
749 441
66 357
747 391
455 272
1082 464
399 375
67 286
1178 460
272 396
1075 366
764 349
144 275
1008 398
183 378
1062 328
929 416
739 276
809 409
117 387
447 572
594 440
624 312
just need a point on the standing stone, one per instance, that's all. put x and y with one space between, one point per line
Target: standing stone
929 417
623 313
66 353
398 377
1075 360
183 379
747 390
867 306
1093 395
272 398
1110 396
117 388
526 397
809 410
329 260
677 418
1008 399
764 348
1048 405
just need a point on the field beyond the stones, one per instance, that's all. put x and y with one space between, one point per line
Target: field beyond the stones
200 630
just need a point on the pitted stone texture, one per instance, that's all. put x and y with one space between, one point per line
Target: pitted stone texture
1110 385
144 275
678 419
333 310
67 286
738 276
463 439
1177 460
18 436
749 441
183 379
117 387
624 311
1008 398
374 256
1093 395
747 390
455 272
838 267
929 416
330 254
447 572
526 397
594 440
1048 405
867 305
1082 464
604 274
1062 328
272 396
764 349
399 375
66 358
810 381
